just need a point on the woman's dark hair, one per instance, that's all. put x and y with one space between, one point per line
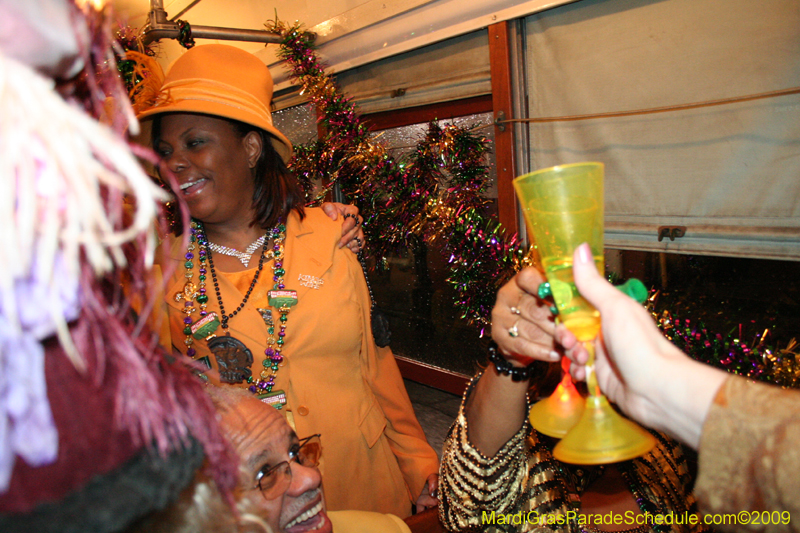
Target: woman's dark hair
276 190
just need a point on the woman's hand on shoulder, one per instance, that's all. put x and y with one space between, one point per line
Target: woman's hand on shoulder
352 233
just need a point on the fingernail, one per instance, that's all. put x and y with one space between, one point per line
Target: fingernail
584 253
554 356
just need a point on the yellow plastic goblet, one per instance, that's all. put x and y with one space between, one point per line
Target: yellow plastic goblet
563 206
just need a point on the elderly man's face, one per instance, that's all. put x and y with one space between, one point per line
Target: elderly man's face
263 439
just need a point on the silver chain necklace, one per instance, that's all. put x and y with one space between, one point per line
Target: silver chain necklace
244 257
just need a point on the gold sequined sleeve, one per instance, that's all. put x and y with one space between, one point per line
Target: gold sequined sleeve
749 456
513 491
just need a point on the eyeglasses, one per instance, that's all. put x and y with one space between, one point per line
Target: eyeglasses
275 480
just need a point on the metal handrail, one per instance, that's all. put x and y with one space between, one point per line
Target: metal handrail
160 27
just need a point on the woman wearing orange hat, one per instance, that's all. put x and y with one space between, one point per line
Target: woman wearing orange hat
263 296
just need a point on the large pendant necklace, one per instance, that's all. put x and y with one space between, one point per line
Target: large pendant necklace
245 256
234 359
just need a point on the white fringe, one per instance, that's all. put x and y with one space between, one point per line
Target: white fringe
53 160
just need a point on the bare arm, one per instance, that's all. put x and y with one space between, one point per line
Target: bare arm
497 408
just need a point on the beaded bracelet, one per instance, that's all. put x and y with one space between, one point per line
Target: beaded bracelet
517 373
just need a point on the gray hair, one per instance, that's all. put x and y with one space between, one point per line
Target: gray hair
200 508
225 397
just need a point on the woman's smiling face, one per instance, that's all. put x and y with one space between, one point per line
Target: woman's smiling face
212 164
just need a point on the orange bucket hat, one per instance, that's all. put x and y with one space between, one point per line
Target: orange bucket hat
214 79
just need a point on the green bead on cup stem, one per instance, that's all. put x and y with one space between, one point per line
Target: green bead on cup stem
633 288
545 291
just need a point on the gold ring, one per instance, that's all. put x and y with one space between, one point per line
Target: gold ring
513 331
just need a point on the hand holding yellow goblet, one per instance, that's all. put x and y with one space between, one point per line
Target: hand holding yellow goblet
564 208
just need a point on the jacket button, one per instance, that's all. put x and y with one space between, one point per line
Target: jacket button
302 410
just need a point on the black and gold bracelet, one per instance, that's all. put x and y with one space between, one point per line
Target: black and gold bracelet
517 373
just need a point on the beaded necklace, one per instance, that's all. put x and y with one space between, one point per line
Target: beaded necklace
192 293
244 257
233 357
225 317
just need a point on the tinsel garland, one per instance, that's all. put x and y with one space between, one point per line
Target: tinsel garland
758 360
128 39
435 196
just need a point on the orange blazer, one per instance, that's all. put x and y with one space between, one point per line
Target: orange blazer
338 382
